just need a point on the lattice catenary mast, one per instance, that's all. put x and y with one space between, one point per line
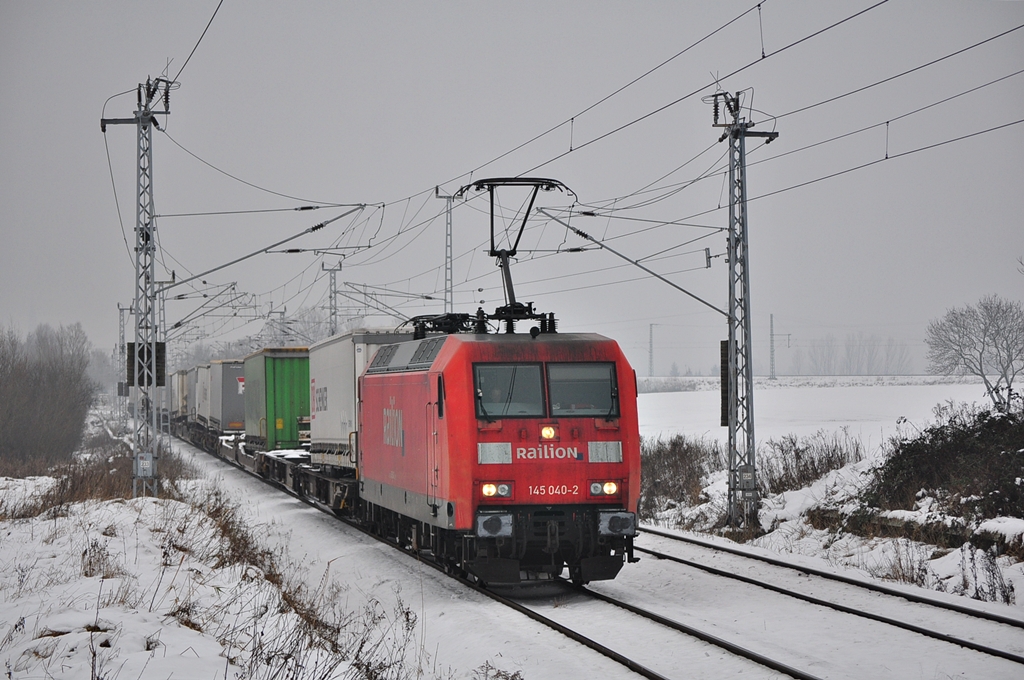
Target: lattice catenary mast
144 357
737 362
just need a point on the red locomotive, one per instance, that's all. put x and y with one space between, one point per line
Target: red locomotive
504 454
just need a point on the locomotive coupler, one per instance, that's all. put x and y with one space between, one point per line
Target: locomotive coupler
553 538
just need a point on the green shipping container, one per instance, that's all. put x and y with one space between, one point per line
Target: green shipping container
277 399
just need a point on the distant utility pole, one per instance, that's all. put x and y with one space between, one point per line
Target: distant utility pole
650 348
334 295
737 361
448 304
771 375
650 351
121 366
144 357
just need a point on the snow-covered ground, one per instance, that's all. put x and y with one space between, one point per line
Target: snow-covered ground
132 586
871 408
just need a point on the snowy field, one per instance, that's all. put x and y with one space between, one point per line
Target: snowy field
59 616
872 409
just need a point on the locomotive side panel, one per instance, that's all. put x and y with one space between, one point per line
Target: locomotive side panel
395 419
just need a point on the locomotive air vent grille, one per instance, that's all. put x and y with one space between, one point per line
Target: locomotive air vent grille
427 351
384 356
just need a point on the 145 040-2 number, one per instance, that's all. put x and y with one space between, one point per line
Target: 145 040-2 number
555 490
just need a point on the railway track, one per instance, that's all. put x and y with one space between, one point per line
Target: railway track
859 610
632 664
875 587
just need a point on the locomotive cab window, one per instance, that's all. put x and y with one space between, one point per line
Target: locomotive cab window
583 389
508 391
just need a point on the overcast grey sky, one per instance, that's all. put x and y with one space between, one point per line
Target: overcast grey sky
376 103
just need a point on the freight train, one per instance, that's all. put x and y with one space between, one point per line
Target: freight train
504 456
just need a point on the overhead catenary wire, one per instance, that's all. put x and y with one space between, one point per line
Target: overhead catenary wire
110 167
203 35
409 226
330 204
737 71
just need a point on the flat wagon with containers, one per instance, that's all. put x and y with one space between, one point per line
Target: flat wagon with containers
277 399
208 403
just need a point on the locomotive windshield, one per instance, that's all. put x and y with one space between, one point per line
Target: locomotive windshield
574 389
583 390
509 390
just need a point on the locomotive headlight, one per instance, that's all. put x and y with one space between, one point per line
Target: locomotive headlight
499 489
548 432
604 488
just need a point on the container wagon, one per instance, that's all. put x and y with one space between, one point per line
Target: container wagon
277 399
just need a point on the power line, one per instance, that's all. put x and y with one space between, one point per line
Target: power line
900 75
721 171
249 212
199 41
250 184
704 87
110 167
887 158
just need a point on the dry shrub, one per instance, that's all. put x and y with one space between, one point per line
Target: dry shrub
970 460
792 463
100 473
489 672
675 471
981 578
906 564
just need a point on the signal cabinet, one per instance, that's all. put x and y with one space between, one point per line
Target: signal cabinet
335 365
277 399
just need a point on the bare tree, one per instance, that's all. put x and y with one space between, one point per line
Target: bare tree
986 340
824 356
897 357
45 392
798 362
861 355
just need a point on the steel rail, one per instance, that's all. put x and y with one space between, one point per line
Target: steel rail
876 587
841 608
733 648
